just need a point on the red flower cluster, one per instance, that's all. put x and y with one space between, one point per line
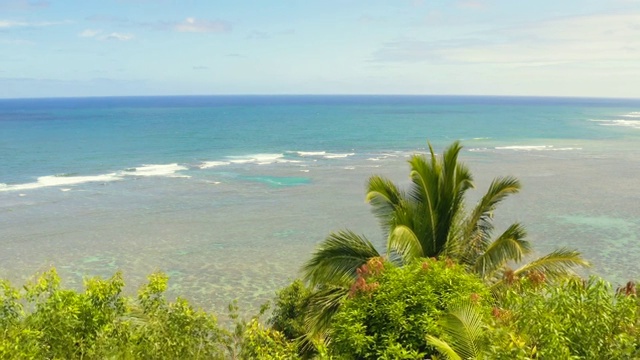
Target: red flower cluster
374 266
537 277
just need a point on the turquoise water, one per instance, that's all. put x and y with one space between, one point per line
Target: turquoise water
230 194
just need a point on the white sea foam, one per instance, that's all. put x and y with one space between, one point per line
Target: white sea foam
621 122
310 153
53 180
337 156
168 170
305 170
535 148
525 148
259 159
384 156
323 154
349 168
210 164
633 114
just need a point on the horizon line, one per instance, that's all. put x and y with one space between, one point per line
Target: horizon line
315 95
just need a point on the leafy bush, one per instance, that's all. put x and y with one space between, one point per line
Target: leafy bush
60 323
392 309
166 330
289 316
581 319
289 309
264 343
45 321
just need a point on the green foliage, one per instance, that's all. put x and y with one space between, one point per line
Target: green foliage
289 315
464 326
62 323
264 343
336 259
171 330
390 310
428 219
45 321
578 319
289 310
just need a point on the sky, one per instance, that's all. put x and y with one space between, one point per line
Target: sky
63 48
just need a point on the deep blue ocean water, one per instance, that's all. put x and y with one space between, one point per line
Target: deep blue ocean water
229 194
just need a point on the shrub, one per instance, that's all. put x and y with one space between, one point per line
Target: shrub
289 310
582 319
45 321
391 309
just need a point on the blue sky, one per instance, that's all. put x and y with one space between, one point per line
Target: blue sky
170 47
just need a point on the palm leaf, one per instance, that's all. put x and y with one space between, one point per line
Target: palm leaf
510 246
337 258
385 198
478 226
558 263
323 305
424 194
404 242
455 180
464 327
443 347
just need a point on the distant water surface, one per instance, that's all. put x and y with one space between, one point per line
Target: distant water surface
230 194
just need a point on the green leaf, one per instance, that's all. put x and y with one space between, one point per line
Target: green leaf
337 258
405 242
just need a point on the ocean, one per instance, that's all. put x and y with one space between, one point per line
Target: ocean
229 195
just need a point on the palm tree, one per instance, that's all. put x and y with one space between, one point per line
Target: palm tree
429 220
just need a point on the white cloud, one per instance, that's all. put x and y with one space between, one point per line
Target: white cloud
579 39
98 34
194 25
16 42
9 24
118 36
583 39
5 24
88 33
23 4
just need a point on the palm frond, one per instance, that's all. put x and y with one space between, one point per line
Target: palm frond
464 327
424 189
426 195
443 348
455 180
385 198
510 246
457 173
558 263
337 258
323 305
478 225
404 242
